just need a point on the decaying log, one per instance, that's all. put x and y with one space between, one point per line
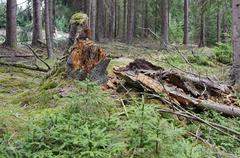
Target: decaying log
182 88
87 60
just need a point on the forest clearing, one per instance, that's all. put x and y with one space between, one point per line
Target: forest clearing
104 78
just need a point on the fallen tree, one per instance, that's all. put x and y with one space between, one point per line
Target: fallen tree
180 88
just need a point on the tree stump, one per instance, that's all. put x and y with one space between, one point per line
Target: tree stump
87 61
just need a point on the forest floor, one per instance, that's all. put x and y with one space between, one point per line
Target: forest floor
28 101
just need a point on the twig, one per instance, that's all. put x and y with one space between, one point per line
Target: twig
124 107
201 139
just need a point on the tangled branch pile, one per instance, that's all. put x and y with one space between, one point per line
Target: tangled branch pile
180 88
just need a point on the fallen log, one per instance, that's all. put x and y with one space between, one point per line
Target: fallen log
144 75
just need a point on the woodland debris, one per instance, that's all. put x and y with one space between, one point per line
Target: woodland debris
180 88
87 60
29 67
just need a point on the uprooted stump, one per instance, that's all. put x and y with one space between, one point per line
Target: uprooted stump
87 60
180 88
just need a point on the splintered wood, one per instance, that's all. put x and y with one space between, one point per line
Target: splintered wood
87 60
86 56
180 88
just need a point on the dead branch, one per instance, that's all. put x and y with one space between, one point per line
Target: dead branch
24 66
222 129
35 54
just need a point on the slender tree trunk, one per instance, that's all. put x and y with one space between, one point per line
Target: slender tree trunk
130 21
111 19
186 14
235 74
93 18
202 35
143 18
124 20
48 28
165 23
72 34
51 20
53 16
219 24
100 20
116 18
202 31
11 27
37 22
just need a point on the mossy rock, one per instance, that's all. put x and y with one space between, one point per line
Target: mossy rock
78 18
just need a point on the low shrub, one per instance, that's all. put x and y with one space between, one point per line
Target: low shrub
223 53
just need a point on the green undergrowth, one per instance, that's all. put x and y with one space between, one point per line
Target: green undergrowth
89 123
56 117
92 125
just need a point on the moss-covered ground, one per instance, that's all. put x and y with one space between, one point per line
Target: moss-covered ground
56 117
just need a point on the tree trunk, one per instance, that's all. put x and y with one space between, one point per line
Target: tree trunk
202 31
48 28
37 22
50 8
165 22
53 29
111 19
124 20
130 21
235 74
93 15
11 27
186 14
117 7
100 20
72 34
219 30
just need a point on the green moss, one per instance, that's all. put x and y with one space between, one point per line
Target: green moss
78 18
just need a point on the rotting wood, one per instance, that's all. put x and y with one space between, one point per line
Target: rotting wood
185 89
87 60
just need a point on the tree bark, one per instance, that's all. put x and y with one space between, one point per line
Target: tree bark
202 33
235 74
124 20
93 18
186 17
48 28
37 22
116 28
111 19
130 21
100 20
165 23
11 27
219 26
72 34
